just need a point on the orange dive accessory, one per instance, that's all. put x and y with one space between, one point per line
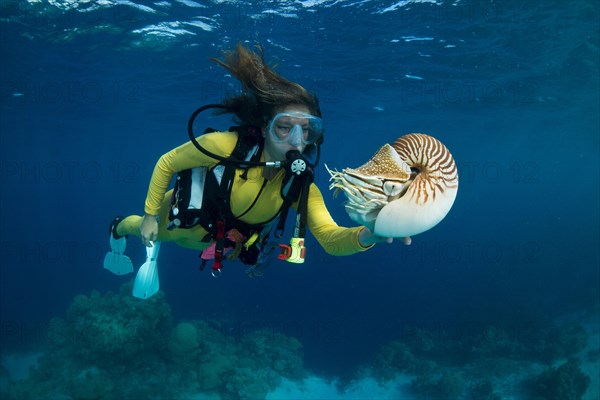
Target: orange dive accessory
294 252
297 168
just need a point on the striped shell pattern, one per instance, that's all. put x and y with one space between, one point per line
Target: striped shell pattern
405 189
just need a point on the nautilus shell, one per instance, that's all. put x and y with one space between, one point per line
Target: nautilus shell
405 189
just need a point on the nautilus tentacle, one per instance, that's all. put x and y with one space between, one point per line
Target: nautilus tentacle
403 190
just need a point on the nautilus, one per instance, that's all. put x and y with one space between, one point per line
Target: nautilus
405 189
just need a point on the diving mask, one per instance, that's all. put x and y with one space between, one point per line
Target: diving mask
296 128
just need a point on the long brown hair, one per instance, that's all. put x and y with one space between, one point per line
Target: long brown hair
263 90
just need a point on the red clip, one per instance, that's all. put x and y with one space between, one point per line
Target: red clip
286 252
219 246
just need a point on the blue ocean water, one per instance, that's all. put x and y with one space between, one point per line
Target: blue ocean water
93 92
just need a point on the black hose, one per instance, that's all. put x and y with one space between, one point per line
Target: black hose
226 160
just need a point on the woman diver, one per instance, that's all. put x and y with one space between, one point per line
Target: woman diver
284 120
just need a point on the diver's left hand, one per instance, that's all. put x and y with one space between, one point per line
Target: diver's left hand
367 238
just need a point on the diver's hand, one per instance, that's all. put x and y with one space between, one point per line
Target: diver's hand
149 230
367 238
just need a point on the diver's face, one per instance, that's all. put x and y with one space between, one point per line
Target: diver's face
276 150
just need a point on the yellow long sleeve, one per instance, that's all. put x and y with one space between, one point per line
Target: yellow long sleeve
336 240
185 157
252 198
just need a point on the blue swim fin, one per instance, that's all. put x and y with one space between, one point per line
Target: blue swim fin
115 261
146 280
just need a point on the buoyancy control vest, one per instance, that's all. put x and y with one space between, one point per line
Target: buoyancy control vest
201 196
201 193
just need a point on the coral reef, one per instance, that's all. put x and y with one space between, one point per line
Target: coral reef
566 382
183 340
472 364
450 385
483 390
250 367
113 329
115 346
397 357
560 342
91 383
249 383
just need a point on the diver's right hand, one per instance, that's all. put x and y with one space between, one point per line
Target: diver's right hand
149 230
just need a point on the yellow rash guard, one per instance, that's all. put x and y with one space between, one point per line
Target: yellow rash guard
335 240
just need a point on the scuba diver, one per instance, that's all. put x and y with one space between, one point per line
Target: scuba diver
233 189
